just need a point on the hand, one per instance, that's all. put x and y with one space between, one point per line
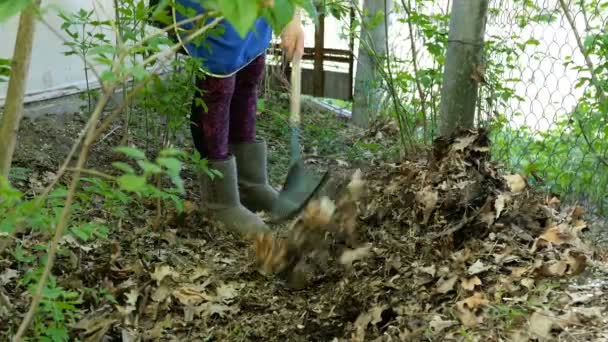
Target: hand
292 38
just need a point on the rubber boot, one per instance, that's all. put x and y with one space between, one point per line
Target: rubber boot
221 201
251 162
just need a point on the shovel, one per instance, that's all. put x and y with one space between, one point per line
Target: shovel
301 184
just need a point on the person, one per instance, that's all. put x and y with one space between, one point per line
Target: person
225 131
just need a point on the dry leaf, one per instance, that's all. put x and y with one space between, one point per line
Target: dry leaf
478 267
518 272
430 270
446 285
351 255
161 272
428 198
161 293
577 212
190 295
438 324
210 309
516 183
528 283
541 324
500 203
470 283
554 268
556 235
468 319
226 292
474 302
7 275
576 262
463 142
373 316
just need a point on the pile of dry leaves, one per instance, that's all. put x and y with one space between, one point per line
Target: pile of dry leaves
483 251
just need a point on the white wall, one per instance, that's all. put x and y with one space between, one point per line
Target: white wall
52 74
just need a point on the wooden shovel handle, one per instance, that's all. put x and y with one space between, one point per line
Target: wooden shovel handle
296 90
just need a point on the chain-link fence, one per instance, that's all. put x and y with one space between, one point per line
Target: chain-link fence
541 99
548 61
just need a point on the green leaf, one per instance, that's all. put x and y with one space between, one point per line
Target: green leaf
124 167
149 168
279 15
242 14
9 8
139 72
132 183
132 152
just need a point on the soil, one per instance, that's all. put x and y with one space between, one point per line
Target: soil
449 247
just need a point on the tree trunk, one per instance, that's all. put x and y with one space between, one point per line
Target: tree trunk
20 65
463 59
372 50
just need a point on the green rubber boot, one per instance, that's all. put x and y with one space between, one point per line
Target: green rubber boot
221 201
252 166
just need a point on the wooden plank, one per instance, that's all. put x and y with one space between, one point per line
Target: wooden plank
336 83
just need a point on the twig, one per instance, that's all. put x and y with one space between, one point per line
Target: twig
408 11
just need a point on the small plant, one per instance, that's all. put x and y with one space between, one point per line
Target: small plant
85 34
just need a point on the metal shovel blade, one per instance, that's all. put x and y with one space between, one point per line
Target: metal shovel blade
300 186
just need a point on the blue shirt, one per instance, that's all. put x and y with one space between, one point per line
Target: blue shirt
224 55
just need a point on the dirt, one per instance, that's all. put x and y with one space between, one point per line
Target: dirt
457 249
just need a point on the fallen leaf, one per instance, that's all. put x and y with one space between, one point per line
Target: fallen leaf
161 272
342 163
191 295
226 292
516 183
198 273
463 142
430 270
554 268
528 283
518 272
210 309
438 324
576 262
95 328
468 319
161 293
589 312
470 283
577 212
373 316
351 255
579 225
556 235
541 324
7 276
446 285
500 203
428 197
474 302
477 267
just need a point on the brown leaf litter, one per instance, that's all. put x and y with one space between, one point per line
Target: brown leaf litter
448 247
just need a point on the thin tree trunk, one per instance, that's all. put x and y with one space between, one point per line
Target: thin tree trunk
20 65
464 55
373 42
